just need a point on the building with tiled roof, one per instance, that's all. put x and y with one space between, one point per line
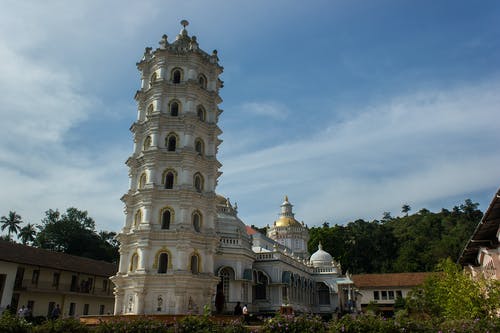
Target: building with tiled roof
481 255
384 289
41 279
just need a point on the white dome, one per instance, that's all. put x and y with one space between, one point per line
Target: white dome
321 258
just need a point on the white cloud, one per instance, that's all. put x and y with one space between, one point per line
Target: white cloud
268 109
415 148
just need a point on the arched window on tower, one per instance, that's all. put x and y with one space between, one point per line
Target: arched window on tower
201 113
142 180
198 182
154 77
195 262
174 108
138 217
202 81
150 110
199 146
171 142
166 218
197 221
169 180
133 262
163 263
147 143
176 75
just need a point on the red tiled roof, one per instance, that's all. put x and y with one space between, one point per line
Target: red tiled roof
390 279
28 255
250 230
485 234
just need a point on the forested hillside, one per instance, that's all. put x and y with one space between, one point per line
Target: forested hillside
410 243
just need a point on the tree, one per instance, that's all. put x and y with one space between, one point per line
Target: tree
405 209
73 232
451 294
11 223
27 233
386 216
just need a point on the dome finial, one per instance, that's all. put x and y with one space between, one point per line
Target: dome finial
184 23
320 247
286 197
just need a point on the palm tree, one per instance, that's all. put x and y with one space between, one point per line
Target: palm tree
27 233
405 209
11 223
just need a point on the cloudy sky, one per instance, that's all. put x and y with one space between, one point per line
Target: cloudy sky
351 108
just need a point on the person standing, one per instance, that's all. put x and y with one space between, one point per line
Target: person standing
245 314
238 311
56 312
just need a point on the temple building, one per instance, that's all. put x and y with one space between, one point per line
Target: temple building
183 246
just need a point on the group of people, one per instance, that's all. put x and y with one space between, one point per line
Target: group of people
238 311
27 313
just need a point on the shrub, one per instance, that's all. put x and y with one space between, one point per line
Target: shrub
294 324
235 326
362 324
490 325
61 326
192 324
12 324
143 325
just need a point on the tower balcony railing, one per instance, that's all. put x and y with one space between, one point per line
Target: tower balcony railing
230 242
325 270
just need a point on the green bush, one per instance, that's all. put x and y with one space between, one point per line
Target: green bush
133 326
192 324
362 324
61 326
12 324
491 325
294 324
235 326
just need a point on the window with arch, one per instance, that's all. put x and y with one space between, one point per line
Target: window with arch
261 287
199 146
171 142
150 109
162 263
169 179
174 108
153 78
138 217
142 180
198 182
201 113
202 81
195 263
134 260
226 274
147 143
323 293
176 75
166 218
197 221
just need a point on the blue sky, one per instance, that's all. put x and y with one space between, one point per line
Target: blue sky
351 108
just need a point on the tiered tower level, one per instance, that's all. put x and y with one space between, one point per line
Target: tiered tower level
169 240
289 232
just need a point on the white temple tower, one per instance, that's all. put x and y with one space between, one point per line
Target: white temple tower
289 232
169 240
